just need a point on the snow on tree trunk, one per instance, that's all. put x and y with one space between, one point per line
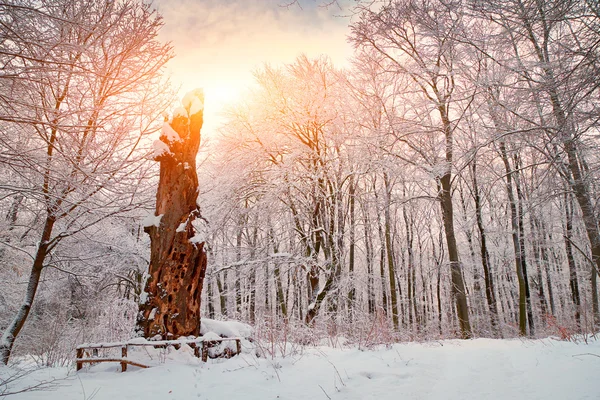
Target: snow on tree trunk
170 304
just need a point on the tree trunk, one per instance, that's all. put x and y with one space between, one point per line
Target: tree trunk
211 300
222 286
13 330
390 253
13 212
177 259
574 285
445 196
352 245
521 198
485 256
369 254
516 242
537 256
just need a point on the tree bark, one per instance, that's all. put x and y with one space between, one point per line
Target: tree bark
352 246
13 330
445 196
519 260
573 283
390 252
485 256
521 197
171 307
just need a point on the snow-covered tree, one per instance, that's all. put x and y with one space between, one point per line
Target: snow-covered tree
81 89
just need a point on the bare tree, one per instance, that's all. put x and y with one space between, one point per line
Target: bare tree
418 40
555 50
81 90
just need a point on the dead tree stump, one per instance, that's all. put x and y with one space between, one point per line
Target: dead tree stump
170 303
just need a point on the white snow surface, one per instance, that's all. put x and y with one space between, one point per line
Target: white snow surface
181 227
198 238
159 148
152 220
225 328
492 369
170 133
180 112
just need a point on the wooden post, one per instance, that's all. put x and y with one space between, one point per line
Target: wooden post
197 350
204 351
238 345
79 356
123 355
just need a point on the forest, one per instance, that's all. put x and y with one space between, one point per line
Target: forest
444 184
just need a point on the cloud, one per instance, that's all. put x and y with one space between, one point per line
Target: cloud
219 43
209 23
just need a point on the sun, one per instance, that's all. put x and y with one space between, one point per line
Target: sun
221 89
223 93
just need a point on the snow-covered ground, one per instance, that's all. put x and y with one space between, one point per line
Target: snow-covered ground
452 369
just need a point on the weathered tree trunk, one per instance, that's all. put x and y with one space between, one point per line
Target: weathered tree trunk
171 306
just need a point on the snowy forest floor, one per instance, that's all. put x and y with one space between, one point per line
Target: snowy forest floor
451 369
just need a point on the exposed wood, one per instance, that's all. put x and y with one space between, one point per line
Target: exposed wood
177 260
206 344
153 343
123 361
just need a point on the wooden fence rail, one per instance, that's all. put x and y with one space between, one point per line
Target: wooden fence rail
195 343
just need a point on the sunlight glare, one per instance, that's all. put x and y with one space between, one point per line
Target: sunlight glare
220 91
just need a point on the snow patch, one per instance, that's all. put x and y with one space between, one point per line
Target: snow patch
181 227
225 328
211 336
169 133
198 238
143 297
160 148
440 169
152 220
139 340
180 112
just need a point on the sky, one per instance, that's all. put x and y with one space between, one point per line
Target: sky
219 43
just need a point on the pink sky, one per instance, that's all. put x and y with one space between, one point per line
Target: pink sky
218 43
